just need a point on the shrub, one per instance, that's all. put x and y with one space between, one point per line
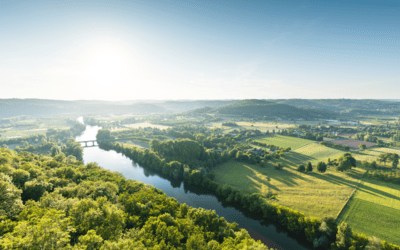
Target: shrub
365 163
279 166
301 168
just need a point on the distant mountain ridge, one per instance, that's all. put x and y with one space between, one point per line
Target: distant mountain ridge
37 107
43 107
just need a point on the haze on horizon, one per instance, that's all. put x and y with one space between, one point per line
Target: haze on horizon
159 50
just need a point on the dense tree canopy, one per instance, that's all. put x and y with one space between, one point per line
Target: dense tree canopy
68 204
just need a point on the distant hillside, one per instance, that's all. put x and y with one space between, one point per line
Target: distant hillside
36 107
199 111
40 107
366 106
261 108
285 108
180 106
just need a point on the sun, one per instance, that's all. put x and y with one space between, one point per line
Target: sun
112 68
107 62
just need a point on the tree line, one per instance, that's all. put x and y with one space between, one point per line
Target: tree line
334 145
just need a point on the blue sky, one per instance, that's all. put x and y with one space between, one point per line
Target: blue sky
125 50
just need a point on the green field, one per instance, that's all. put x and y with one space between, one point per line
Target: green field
33 126
313 194
372 153
146 125
375 210
285 141
264 126
136 144
6 133
313 153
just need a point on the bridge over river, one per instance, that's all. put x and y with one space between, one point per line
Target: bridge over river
96 142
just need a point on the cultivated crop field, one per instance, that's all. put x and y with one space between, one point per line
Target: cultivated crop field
352 143
375 210
313 194
285 141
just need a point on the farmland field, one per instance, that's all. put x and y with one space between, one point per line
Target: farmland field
33 126
375 210
352 143
263 127
267 125
6 133
313 153
130 143
371 154
285 141
313 194
146 125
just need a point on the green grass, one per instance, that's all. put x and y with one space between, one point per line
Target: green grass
33 126
146 125
375 210
313 153
264 126
372 153
11 132
285 141
313 194
136 144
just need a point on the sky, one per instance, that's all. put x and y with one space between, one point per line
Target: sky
159 50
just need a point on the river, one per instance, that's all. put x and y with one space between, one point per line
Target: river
111 160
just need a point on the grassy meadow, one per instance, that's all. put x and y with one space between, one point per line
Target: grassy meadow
146 125
32 126
375 210
372 153
313 194
139 144
9 132
263 127
369 206
313 153
285 141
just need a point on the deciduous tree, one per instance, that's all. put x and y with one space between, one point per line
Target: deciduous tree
321 167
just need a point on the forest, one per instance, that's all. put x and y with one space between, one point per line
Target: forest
49 203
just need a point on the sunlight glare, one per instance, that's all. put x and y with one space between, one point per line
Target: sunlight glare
108 62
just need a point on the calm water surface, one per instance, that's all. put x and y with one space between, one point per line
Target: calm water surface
114 161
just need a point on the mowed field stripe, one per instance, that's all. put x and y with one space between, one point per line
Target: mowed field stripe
374 210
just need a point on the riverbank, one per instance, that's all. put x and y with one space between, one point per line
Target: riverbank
274 237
